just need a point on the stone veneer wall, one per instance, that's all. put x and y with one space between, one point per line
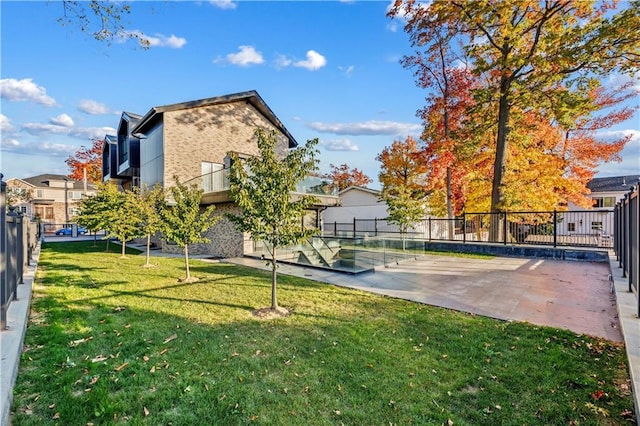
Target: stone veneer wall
225 240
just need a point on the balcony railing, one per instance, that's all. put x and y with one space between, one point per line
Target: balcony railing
218 181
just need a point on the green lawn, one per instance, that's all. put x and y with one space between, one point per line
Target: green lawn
110 342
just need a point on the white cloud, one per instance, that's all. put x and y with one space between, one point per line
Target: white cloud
348 70
282 61
62 120
224 4
156 40
92 107
5 124
247 55
339 145
617 134
33 149
24 90
39 129
313 62
371 127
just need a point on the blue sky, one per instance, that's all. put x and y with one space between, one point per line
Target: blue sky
329 70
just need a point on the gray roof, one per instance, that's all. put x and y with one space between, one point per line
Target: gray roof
613 183
42 181
252 97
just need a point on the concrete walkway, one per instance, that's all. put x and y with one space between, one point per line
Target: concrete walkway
563 294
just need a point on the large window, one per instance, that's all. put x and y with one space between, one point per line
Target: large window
572 226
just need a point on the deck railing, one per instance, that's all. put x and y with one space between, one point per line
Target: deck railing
218 181
592 228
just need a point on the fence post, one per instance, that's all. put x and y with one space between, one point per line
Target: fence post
354 227
429 224
335 228
504 228
4 284
464 227
555 228
375 225
625 232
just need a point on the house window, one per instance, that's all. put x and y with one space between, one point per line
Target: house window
23 209
39 193
48 214
572 226
212 177
73 211
75 195
596 226
604 201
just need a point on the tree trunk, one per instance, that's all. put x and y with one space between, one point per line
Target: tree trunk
186 260
500 164
148 249
450 205
124 249
274 267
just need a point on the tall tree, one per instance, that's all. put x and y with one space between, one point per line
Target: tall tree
184 222
87 162
404 178
262 188
530 53
343 176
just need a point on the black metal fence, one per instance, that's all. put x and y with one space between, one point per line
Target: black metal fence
18 238
627 239
590 228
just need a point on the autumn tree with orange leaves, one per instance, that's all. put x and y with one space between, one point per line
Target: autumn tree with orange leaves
89 159
529 56
343 176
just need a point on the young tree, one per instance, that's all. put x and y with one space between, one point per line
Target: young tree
262 187
183 220
530 54
150 205
343 176
404 177
126 222
99 212
87 160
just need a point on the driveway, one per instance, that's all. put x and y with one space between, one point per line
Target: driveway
563 294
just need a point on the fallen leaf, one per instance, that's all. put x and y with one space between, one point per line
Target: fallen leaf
119 308
170 338
94 380
52 406
145 358
164 351
145 410
121 366
56 416
99 358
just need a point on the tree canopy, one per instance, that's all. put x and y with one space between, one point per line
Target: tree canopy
87 160
533 59
343 176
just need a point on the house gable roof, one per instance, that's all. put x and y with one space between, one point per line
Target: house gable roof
613 183
42 181
360 188
252 97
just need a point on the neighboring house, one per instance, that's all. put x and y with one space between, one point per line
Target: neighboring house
192 141
355 202
605 193
54 199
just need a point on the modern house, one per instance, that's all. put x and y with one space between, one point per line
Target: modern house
54 199
192 141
